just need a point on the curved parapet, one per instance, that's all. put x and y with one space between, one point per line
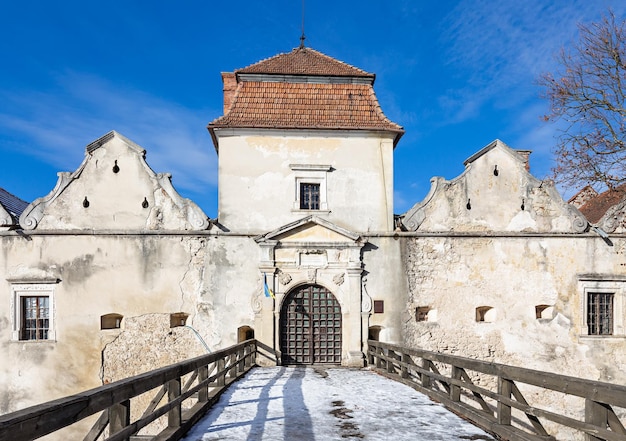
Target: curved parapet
6 219
194 214
614 220
495 193
33 214
114 189
416 215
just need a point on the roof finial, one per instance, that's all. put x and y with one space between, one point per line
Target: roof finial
302 37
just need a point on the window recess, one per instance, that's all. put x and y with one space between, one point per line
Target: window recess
602 305
32 311
310 192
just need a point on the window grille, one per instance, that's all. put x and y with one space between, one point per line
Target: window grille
35 318
309 196
600 313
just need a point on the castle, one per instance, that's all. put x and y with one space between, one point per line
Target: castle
114 273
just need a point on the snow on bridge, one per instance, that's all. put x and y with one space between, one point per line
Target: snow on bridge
317 403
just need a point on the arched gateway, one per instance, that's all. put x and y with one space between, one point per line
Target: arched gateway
310 326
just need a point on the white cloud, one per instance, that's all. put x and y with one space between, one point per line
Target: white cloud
56 125
499 48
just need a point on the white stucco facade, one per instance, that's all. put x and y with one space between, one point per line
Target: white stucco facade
260 171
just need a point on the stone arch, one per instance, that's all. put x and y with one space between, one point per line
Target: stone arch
244 333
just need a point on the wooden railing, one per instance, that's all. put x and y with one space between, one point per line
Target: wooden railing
503 399
182 404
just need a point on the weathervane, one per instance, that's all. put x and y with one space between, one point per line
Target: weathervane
302 37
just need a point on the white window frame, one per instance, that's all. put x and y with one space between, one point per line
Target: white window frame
310 174
610 285
21 290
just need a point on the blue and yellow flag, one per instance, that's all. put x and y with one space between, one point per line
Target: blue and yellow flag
266 289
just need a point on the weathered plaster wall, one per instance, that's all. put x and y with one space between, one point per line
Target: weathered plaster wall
385 279
114 188
494 193
513 274
97 275
257 186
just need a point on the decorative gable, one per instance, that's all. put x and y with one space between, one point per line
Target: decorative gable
310 229
311 241
114 188
494 193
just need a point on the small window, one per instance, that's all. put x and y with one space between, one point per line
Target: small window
111 321
178 319
600 313
35 318
544 312
374 333
421 313
244 333
310 186
485 314
309 196
379 306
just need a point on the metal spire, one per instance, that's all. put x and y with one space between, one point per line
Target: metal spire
302 37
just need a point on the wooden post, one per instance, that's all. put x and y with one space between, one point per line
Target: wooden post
119 417
596 414
425 377
404 370
248 356
232 372
390 367
455 391
203 393
505 388
221 376
173 392
379 359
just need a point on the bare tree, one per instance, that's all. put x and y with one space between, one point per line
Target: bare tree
587 93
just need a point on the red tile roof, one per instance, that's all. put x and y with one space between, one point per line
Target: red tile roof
597 207
304 61
275 94
305 105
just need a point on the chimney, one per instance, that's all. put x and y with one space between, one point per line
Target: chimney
525 154
230 85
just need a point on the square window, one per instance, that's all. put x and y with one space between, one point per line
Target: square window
32 311
421 313
600 313
379 306
310 186
35 323
309 196
602 305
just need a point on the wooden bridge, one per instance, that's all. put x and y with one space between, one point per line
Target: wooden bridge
509 402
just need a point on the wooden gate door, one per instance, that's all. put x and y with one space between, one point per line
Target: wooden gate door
310 327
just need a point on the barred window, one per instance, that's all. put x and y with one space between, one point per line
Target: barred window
32 311
600 313
309 196
35 318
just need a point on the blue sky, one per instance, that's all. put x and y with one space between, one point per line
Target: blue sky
455 74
